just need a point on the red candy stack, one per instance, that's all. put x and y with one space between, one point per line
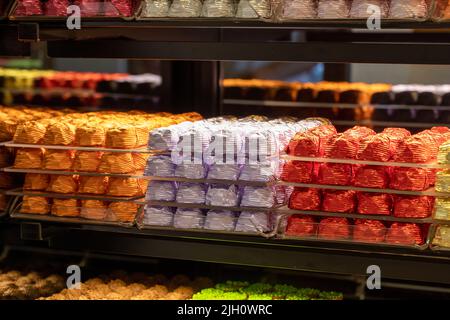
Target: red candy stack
115 8
29 8
371 176
413 206
339 201
404 233
299 171
56 7
301 226
369 231
89 8
334 228
374 203
307 199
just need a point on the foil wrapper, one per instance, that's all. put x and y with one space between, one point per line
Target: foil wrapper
312 142
339 201
161 191
160 166
29 8
56 8
36 181
35 205
369 231
416 149
444 153
413 206
59 133
252 9
376 148
121 211
371 176
220 220
94 210
87 161
334 229
224 171
374 203
415 179
185 8
262 197
442 210
155 8
191 193
335 174
443 181
89 8
298 171
222 196
158 216
408 9
442 236
29 158
333 9
301 226
298 9
188 219
218 8
63 184
253 222
93 184
191 171
405 234
117 162
65 208
166 138
362 8
308 199
259 172
58 159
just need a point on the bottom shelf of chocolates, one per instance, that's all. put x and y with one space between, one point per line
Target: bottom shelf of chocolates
361 231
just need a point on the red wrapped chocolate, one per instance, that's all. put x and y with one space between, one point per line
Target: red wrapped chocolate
299 171
376 148
115 8
342 146
397 134
374 203
339 201
404 233
307 199
416 149
335 174
369 231
413 206
29 8
56 8
415 179
312 142
89 8
299 225
359 132
371 176
334 228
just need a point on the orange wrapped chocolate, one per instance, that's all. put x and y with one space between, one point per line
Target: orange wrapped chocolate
31 132
35 205
29 158
116 162
93 185
140 160
125 187
65 208
36 181
87 161
123 137
90 135
94 209
123 211
59 133
58 159
63 184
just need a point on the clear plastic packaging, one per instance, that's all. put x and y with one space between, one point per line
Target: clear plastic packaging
222 196
158 216
188 219
155 8
161 191
185 8
218 8
220 220
191 193
253 222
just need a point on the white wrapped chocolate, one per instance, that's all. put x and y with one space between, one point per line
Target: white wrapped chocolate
408 9
191 193
442 236
253 222
185 8
443 181
155 8
188 219
333 9
365 8
262 197
224 171
166 138
191 171
261 172
218 8
158 216
220 220
298 9
225 144
252 9
442 209
222 196
161 191
160 166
